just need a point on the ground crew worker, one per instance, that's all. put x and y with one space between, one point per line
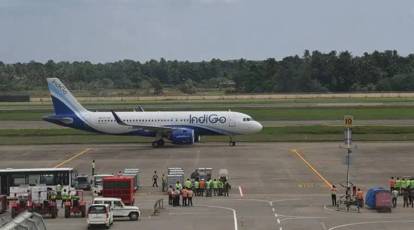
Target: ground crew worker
333 195
188 184
197 187
398 184
208 188
411 197
178 186
227 188
404 184
184 194
155 180
215 187
65 197
406 195
93 167
174 197
170 195
202 187
164 182
58 192
394 198
220 186
190 197
391 183
360 198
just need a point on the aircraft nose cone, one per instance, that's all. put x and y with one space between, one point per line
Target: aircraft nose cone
259 127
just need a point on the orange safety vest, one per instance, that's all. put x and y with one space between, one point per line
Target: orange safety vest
202 184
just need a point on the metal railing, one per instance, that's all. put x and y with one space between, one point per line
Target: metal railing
26 220
159 204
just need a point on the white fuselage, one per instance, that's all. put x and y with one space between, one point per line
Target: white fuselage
203 122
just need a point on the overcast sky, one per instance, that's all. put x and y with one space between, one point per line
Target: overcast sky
111 30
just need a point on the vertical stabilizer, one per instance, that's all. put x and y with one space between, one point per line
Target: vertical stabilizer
64 102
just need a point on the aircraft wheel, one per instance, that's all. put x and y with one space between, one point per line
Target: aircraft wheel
155 144
161 142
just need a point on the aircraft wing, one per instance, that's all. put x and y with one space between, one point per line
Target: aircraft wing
159 129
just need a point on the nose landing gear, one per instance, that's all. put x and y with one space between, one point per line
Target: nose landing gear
231 142
158 143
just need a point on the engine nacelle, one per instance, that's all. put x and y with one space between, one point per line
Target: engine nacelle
183 136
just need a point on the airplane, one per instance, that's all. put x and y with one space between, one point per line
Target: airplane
178 127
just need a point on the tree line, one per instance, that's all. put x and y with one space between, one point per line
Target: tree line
312 72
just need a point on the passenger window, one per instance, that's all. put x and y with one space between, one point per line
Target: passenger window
108 203
117 204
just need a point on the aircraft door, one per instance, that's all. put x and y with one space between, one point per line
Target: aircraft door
232 123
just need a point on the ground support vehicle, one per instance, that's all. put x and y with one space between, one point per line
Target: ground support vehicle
119 208
134 172
202 173
20 204
82 183
119 187
100 214
44 201
3 203
76 205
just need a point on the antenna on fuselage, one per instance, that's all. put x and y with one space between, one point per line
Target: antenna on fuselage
139 109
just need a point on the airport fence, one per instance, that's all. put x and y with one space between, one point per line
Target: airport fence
25 221
159 204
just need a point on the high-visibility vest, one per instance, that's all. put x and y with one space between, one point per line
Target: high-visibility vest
188 184
215 184
403 184
208 184
178 186
398 183
196 184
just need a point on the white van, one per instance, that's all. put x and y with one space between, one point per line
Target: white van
119 208
100 214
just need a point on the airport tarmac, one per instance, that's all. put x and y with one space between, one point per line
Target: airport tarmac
275 185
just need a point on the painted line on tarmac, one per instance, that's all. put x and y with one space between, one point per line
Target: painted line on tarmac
236 227
371 222
312 168
72 158
241 191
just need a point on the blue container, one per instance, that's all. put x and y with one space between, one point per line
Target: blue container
370 197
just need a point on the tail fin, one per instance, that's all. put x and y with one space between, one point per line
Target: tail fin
64 102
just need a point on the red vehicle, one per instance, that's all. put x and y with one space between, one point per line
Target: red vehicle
47 207
76 205
119 187
3 203
21 204
383 201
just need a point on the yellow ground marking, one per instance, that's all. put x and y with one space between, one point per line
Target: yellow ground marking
72 158
312 168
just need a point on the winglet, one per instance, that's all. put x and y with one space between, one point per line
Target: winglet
117 119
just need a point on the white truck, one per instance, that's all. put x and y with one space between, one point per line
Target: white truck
119 208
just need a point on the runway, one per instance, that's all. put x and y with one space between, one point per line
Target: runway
278 189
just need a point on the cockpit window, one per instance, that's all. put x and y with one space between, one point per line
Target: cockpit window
247 119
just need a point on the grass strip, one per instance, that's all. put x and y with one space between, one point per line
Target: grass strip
271 134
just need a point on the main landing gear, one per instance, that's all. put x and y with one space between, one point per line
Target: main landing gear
231 142
158 143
